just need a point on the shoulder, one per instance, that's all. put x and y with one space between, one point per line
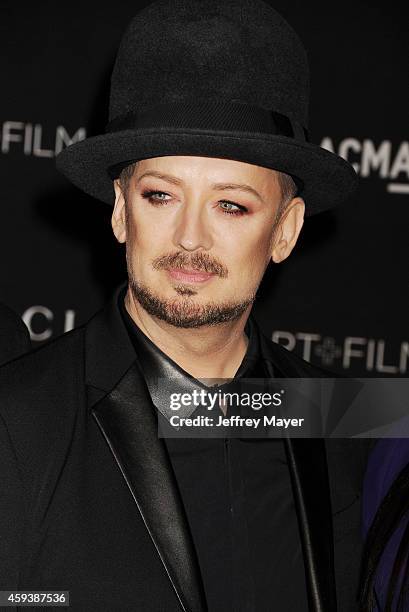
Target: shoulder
42 373
347 458
291 363
14 336
48 356
41 396
387 459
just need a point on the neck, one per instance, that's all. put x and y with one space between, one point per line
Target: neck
209 351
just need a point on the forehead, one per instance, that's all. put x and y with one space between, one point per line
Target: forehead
207 170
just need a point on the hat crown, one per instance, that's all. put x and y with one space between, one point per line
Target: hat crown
227 50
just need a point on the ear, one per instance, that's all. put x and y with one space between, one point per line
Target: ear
118 220
288 230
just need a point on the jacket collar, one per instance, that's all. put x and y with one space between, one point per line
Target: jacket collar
122 407
108 349
127 419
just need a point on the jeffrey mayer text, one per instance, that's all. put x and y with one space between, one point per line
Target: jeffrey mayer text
235 421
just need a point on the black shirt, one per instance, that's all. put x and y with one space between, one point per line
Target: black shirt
238 500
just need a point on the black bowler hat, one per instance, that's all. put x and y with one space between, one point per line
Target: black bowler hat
210 78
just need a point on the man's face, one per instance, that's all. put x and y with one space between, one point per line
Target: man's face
199 234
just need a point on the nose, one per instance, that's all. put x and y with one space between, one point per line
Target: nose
192 231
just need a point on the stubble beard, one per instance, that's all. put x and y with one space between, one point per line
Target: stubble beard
182 311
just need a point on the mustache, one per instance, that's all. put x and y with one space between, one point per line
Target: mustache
201 262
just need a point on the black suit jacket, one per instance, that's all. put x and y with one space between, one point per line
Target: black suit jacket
90 502
14 336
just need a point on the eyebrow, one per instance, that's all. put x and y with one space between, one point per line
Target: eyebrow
218 186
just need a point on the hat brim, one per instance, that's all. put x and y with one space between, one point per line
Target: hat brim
328 180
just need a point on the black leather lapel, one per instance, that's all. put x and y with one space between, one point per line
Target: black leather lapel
127 419
307 462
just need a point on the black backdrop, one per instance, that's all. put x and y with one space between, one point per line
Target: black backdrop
341 300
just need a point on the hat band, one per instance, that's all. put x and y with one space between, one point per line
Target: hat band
213 116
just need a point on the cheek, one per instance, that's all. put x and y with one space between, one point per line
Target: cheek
248 253
140 233
136 243
145 242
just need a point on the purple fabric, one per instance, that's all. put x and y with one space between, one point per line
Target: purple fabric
387 459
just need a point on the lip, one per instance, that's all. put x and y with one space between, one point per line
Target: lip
189 276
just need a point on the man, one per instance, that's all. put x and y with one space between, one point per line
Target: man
207 163
14 335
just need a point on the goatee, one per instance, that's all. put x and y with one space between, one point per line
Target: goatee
182 311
